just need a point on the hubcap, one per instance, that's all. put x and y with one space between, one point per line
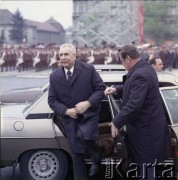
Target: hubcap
43 165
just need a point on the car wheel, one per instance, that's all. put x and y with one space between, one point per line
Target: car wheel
44 165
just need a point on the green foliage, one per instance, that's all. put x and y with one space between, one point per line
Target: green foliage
18 30
159 23
2 37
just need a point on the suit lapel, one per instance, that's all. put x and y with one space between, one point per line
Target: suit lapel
76 72
60 76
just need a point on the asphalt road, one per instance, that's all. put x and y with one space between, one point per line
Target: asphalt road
7 172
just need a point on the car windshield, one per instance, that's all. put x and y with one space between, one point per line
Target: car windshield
170 96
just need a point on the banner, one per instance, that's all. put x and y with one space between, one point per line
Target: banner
141 22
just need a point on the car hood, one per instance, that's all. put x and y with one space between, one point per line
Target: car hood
12 111
22 89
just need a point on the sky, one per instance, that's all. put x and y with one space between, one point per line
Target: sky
41 11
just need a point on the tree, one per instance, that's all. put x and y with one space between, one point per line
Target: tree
160 23
2 37
18 30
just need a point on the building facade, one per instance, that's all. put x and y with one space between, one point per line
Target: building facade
49 32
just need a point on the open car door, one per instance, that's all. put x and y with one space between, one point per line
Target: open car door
121 140
170 99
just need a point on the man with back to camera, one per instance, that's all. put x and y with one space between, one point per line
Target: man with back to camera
75 96
157 64
142 112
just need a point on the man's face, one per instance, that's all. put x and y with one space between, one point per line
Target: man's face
159 65
126 62
67 57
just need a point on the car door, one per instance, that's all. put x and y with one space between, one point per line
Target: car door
170 100
41 109
121 140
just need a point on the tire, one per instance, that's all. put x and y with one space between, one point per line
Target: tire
44 165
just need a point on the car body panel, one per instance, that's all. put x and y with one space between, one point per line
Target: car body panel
23 128
12 111
22 134
13 148
14 143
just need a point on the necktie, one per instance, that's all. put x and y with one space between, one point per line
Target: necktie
69 76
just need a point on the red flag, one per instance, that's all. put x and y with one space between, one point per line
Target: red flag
141 22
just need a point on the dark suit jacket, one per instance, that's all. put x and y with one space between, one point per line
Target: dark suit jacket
86 85
143 115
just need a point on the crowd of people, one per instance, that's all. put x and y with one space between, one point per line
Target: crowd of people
39 59
24 59
168 56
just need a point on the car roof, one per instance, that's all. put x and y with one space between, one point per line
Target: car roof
167 78
112 76
109 67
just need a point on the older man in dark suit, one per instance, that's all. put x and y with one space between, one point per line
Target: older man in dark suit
75 92
142 113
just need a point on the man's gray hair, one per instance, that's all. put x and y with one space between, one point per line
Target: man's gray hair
72 47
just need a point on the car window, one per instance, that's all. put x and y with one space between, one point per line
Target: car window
115 104
105 113
170 97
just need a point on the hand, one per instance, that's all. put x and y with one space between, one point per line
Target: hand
72 113
109 90
81 107
114 130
